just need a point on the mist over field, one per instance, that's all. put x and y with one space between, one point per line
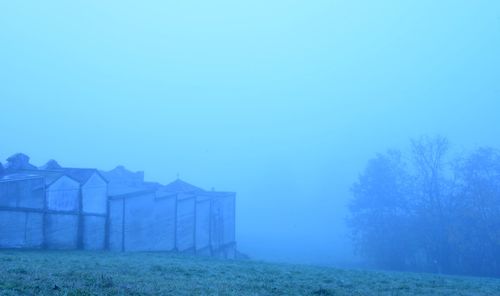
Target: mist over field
282 102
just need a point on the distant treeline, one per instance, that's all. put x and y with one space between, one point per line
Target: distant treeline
426 211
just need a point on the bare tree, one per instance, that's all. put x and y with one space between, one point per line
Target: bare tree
429 157
477 216
430 214
380 215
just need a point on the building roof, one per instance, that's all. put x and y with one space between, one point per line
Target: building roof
123 182
115 189
18 177
182 189
51 171
179 186
81 175
48 176
217 193
50 165
123 176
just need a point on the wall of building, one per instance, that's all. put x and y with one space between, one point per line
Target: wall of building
228 212
94 213
139 223
94 232
61 219
61 231
95 195
21 229
21 213
165 222
63 195
132 225
66 215
202 231
185 226
222 227
116 226
25 193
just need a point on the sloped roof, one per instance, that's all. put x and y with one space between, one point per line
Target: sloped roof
152 185
123 176
217 193
81 175
119 189
124 182
18 176
48 176
51 175
180 186
50 165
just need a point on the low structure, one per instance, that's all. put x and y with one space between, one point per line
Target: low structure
93 207
72 208
22 212
205 219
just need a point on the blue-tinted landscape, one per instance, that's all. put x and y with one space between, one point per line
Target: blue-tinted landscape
317 141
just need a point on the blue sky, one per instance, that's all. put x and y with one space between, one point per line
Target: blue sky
281 101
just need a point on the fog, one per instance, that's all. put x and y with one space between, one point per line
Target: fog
283 102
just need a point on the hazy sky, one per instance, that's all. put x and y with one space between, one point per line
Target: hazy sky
280 101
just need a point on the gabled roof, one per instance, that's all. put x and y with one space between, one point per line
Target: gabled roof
123 176
218 193
123 182
50 165
152 185
182 189
118 190
49 176
179 186
81 175
18 177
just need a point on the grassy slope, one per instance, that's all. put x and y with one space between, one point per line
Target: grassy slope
86 273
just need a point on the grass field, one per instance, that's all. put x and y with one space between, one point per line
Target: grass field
87 273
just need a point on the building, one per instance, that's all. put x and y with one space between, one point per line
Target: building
72 208
22 211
